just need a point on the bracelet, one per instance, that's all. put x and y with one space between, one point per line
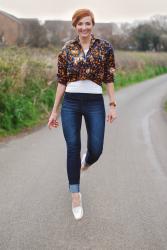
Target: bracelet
113 104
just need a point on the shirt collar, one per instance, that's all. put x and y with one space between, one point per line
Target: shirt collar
93 39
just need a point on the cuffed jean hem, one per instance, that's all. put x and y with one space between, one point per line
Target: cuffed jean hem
74 188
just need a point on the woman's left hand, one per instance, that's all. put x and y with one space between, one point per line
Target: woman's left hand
111 116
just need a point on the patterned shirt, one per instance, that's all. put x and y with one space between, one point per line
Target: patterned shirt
98 65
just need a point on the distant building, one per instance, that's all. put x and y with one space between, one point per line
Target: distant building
15 30
11 29
28 31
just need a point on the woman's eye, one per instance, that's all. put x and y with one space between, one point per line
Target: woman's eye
82 24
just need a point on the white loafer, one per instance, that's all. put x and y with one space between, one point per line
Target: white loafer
83 163
78 211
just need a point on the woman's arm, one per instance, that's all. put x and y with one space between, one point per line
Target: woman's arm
110 91
53 119
59 94
61 86
112 110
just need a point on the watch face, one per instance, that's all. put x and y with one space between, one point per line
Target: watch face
112 104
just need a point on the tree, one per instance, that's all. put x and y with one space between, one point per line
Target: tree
146 37
37 35
163 40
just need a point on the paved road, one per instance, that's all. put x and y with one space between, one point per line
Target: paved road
124 193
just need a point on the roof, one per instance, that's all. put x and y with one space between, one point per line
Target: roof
10 16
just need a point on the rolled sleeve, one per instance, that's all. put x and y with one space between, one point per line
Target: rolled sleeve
109 68
62 67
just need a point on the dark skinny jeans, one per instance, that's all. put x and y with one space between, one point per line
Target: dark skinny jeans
91 107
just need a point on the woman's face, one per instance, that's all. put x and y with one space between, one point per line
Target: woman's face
84 27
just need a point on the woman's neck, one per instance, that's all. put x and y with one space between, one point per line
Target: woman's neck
85 41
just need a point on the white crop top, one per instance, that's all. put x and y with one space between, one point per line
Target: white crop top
84 86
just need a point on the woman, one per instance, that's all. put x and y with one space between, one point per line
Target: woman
84 63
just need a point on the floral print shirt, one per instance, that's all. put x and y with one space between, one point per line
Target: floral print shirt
98 65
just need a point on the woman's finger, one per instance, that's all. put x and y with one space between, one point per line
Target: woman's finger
111 119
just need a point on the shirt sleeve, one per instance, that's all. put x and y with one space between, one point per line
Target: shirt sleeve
62 67
109 67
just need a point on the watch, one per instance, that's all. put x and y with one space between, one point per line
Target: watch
113 104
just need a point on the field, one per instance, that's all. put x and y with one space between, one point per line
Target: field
27 82
137 66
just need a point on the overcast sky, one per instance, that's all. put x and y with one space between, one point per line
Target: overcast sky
104 10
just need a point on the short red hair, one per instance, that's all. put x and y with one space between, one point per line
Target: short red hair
80 13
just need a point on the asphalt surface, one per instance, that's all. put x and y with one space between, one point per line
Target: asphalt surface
124 193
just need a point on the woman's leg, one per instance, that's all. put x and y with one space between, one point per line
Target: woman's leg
94 114
71 122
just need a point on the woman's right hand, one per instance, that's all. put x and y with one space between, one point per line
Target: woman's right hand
53 120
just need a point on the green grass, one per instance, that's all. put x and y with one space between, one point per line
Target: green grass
134 67
25 96
124 79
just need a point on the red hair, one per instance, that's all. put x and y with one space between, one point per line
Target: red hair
80 13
